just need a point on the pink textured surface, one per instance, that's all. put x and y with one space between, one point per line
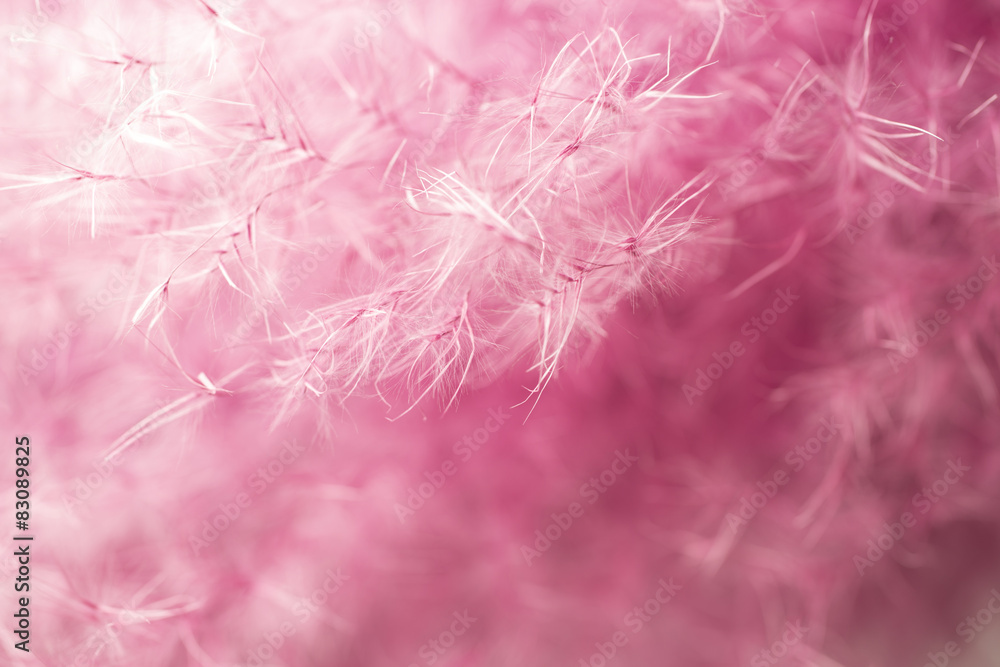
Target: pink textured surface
503 333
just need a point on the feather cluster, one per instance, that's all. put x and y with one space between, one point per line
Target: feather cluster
515 332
